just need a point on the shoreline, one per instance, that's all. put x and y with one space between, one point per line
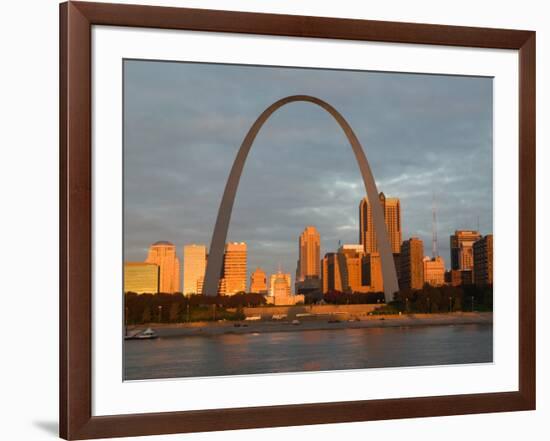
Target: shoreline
167 330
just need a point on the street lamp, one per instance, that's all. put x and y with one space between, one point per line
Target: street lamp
160 313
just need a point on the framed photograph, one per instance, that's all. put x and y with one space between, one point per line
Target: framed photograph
272 220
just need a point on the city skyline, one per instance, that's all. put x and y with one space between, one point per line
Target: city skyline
237 277
175 202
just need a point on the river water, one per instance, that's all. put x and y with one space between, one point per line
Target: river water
319 350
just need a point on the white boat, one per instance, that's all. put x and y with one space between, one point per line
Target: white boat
142 335
148 333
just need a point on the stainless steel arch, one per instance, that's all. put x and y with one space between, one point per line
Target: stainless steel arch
217 245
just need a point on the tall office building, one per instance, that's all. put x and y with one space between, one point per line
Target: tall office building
278 275
350 260
234 269
200 284
280 291
194 266
434 271
273 280
462 253
483 261
258 282
164 255
309 254
351 271
141 277
280 284
332 279
412 265
372 269
391 208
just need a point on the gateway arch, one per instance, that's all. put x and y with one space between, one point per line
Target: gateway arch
217 245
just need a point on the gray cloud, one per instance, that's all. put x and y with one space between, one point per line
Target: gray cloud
184 123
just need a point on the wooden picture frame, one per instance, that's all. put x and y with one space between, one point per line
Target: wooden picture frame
76 21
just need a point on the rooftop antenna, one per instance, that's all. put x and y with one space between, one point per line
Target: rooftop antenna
434 228
478 223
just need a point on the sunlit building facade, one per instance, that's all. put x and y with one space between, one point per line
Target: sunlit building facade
163 254
332 279
194 267
141 277
372 268
309 249
391 208
258 282
483 261
462 249
434 271
234 269
412 264
277 276
280 290
350 259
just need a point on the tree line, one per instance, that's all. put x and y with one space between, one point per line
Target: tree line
434 299
177 308
446 298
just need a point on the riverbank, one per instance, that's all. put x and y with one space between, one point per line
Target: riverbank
314 323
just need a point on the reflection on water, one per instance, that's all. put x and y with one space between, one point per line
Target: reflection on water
234 354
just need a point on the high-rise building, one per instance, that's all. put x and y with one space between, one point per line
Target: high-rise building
350 260
412 265
483 261
141 277
462 253
351 271
200 284
194 266
373 272
234 268
434 271
280 291
222 287
281 287
277 276
392 215
309 249
332 279
163 254
258 282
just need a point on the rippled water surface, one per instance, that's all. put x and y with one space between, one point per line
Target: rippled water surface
318 350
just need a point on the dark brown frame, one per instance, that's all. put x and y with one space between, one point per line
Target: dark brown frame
76 420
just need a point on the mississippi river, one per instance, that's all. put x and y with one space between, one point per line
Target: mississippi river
315 350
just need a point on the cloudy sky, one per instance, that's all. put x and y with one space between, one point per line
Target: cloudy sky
184 122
